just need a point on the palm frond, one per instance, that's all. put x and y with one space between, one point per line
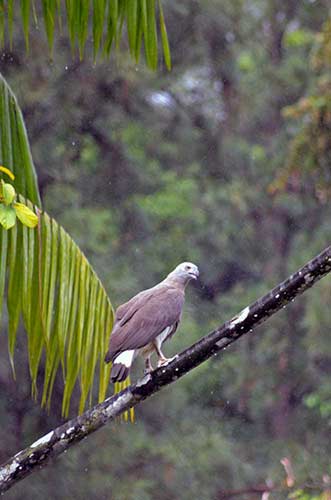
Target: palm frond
49 283
65 310
141 18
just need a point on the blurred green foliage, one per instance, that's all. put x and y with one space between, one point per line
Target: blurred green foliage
145 170
100 24
310 149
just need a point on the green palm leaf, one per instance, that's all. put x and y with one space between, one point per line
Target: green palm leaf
15 151
49 283
108 17
65 309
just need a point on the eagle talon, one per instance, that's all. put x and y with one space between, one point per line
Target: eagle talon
165 361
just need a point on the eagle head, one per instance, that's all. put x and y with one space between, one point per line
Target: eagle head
185 272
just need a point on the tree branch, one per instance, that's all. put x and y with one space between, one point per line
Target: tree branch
66 435
251 490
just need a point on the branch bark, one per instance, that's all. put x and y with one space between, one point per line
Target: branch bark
257 491
68 434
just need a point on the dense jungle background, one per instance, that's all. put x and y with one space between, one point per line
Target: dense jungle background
224 161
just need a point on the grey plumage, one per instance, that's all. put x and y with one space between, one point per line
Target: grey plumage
143 323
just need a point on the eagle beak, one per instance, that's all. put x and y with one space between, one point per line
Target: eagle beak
194 274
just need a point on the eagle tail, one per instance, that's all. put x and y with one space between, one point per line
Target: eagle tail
121 366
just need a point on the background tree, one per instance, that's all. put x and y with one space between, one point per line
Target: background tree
155 168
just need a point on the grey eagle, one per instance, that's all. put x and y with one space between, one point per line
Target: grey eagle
143 323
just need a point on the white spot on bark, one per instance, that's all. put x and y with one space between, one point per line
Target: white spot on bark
220 343
6 472
70 430
308 278
120 404
144 380
240 318
42 440
277 296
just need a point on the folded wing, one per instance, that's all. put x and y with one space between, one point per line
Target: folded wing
143 318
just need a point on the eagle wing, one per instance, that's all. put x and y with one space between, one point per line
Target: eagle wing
143 318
